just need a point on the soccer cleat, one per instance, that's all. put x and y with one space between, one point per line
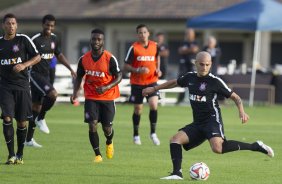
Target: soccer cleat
98 159
137 140
110 151
268 149
11 160
19 160
42 125
32 143
155 139
173 176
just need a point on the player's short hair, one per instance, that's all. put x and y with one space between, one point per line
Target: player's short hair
7 16
48 17
97 31
141 26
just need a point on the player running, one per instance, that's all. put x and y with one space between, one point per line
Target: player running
44 94
102 75
143 63
204 88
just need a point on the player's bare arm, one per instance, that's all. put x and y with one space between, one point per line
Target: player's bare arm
19 67
237 100
76 87
167 85
158 70
62 59
115 82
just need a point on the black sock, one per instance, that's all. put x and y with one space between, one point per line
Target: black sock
31 127
8 131
136 121
229 146
21 135
176 157
46 106
153 116
94 140
110 137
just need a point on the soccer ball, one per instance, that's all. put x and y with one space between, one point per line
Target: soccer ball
199 171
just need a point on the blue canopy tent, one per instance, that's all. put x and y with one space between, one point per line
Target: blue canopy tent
253 15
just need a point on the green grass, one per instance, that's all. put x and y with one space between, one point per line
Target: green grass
66 156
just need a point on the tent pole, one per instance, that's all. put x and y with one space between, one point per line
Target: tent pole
256 56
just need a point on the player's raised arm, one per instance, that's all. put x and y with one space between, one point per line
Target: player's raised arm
167 85
243 116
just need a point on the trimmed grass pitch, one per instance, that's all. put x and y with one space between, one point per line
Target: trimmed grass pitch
66 156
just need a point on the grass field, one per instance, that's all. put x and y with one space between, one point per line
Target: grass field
66 156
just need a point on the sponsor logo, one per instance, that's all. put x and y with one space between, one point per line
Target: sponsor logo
197 98
42 45
47 55
190 84
12 61
95 73
203 86
214 133
145 58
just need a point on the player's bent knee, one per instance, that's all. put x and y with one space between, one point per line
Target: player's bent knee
217 149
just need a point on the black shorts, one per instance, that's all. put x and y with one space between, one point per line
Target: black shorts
16 104
199 132
40 87
136 96
103 111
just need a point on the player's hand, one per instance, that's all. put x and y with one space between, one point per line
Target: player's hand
147 91
19 67
143 70
73 99
102 89
159 73
244 117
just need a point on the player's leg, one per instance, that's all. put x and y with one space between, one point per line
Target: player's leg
44 94
7 103
48 103
189 137
107 113
94 141
137 99
153 116
91 116
23 113
214 132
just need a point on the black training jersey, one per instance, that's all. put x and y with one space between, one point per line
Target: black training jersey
48 47
15 51
203 93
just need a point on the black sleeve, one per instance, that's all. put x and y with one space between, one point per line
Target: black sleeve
222 88
183 80
80 70
114 67
30 47
129 56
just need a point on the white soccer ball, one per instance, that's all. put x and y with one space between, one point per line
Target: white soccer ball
199 171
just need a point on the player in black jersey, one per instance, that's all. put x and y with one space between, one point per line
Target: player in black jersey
207 123
17 53
43 93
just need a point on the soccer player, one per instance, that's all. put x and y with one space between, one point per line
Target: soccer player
163 52
143 62
17 53
102 75
43 93
204 88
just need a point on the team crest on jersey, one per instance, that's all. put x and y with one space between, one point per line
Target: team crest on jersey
52 45
203 86
46 87
15 48
87 116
